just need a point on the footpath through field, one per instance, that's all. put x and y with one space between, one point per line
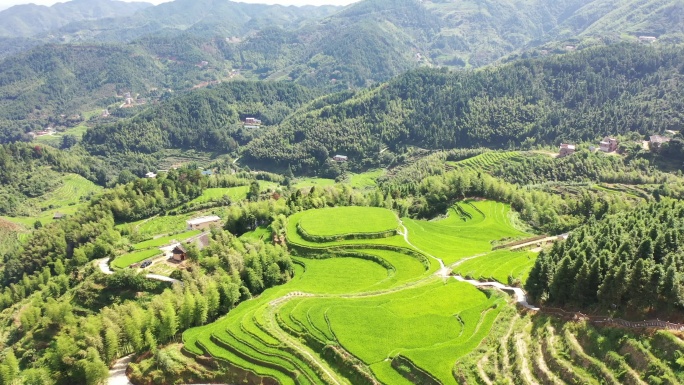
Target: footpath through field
445 272
117 374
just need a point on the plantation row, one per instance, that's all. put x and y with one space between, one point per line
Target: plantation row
485 162
314 329
538 349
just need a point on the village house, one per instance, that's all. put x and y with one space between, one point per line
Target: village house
58 216
150 175
647 39
340 158
566 149
609 144
204 222
179 253
252 123
656 141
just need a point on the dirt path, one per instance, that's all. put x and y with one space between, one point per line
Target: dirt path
481 372
543 240
117 374
103 264
137 227
520 296
443 271
521 347
541 363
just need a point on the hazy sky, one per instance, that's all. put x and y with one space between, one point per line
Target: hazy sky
8 3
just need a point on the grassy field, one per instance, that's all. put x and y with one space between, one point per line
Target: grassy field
69 197
499 265
359 181
347 220
262 232
74 188
376 310
128 259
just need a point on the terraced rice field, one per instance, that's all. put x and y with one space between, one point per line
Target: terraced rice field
212 194
371 308
359 181
234 193
73 189
501 266
468 230
486 161
543 350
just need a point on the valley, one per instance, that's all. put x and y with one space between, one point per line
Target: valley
389 192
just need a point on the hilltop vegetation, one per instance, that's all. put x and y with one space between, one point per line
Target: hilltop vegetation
205 120
180 45
28 172
578 96
631 260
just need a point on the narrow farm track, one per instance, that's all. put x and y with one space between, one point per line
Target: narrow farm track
481 372
443 271
520 296
103 265
522 352
117 374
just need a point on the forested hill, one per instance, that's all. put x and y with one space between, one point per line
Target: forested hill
207 119
631 261
185 44
37 86
578 96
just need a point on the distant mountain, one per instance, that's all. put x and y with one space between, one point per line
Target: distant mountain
207 18
185 44
29 20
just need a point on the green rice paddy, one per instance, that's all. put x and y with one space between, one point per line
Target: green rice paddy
499 265
465 232
376 300
348 220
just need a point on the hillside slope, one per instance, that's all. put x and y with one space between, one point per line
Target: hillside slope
578 96
27 20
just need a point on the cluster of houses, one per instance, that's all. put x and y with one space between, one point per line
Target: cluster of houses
48 131
609 145
178 252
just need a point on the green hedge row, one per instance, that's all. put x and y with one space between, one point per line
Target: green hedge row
343 237
414 374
